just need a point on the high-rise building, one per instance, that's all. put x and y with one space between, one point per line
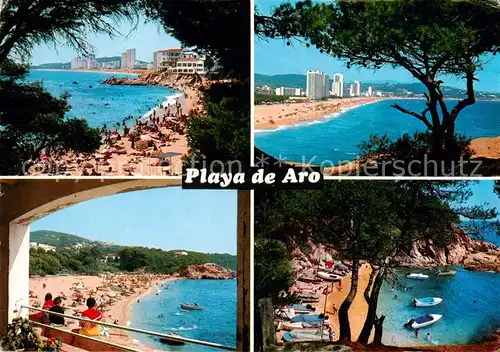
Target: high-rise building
351 90
338 85
287 91
357 88
317 85
370 91
124 63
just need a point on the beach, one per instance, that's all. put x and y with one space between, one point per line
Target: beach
115 305
287 114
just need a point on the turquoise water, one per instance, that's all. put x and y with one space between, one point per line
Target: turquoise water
336 138
463 321
101 104
216 323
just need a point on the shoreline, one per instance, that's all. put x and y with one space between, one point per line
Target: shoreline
272 117
107 71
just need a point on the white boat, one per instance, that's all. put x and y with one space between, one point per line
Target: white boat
328 276
188 306
424 320
446 272
306 335
285 313
290 325
418 276
426 301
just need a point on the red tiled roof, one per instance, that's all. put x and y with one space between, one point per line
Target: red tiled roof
190 59
170 51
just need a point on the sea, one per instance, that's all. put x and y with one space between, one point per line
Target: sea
98 103
464 321
215 323
336 138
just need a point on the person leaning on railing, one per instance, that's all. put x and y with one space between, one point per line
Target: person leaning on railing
90 328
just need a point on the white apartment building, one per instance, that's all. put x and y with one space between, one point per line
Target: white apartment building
189 66
124 62
287 91
351 90
338 85
357 88
78 63
128 59
165 58
317 85
41 245
266 90
370 92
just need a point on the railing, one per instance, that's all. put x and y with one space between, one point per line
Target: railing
114 326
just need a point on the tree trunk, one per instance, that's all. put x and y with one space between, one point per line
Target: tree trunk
377 340
371 317
344 325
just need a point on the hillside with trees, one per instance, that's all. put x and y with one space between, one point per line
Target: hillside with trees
74 254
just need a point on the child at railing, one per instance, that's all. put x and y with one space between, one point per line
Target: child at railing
91 328
55 319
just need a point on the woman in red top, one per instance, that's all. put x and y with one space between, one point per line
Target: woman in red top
49 303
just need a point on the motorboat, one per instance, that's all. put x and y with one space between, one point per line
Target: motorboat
172 342
418 276
311 319
306 335
426 301
301 309
424 320
308 279
188 306
328 277
446 272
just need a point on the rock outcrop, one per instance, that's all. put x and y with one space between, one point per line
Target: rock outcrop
207 271
306 258
473 255
157 79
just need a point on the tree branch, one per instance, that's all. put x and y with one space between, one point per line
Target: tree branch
414 114
470 100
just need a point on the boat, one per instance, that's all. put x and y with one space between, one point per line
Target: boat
328 277
172 342
310 319
308 279
309 300
187 306
285 313
306 335
424 320
288 325
418 276
426 301
446 272
301 309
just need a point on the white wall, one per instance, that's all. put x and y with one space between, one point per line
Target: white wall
19 259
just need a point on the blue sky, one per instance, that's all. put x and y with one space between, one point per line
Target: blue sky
146 39
482 194
274 57
169 218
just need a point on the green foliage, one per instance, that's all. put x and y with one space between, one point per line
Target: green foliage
168 262
273 272
222 131
32 120
264 98
399 158
57 239
20 334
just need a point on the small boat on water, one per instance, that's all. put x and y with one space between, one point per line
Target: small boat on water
306 335
328 277
426 301
187 306
424 320
446 272
172 342
418 276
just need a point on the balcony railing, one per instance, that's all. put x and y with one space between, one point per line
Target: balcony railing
126 328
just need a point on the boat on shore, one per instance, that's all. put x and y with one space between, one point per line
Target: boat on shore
308 279
289 326
172 342
418 276
446 272
311 319
423 321
301 309
306 335
328 277
188 306
426 301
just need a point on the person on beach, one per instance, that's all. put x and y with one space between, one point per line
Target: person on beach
330 334
56 308
334 309
46 306
90 328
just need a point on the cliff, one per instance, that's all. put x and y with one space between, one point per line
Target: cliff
207 271
473 255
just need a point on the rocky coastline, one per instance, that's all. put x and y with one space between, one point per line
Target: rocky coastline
208 271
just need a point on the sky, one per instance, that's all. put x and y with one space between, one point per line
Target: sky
482 194
146 39
168 218
274 57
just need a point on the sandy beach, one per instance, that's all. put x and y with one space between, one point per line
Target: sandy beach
274 115
114 293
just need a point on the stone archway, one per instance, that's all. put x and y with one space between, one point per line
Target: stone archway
23 201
